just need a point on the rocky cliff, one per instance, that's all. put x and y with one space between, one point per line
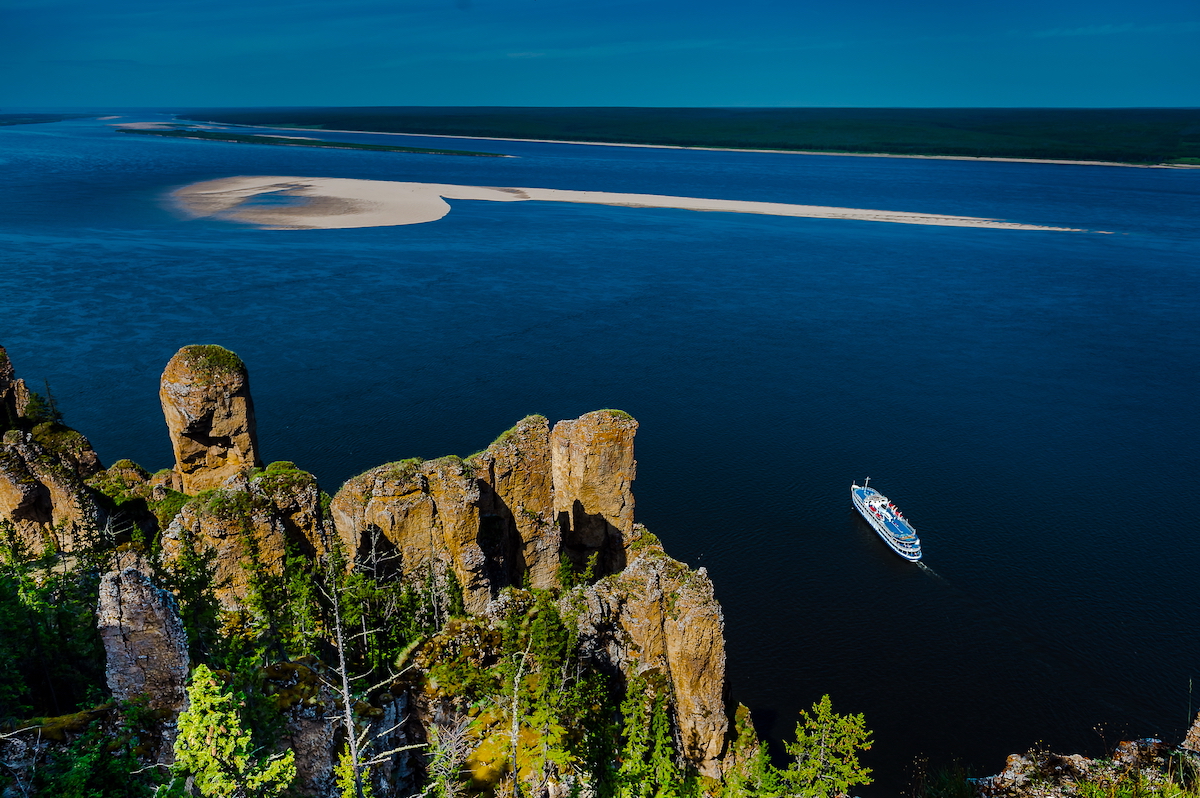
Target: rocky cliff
593 468
547 508
249 527
659 615
516 501
43 465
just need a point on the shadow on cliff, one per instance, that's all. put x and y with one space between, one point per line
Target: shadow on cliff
584 535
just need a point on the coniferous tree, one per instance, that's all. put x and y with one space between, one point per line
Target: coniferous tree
825 753
214 745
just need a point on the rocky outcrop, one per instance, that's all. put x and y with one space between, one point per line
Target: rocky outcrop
1133 767
42 468
1191 741
516 501
592 468
413 516
44 499
71 448
144 641
249 527
13 394
205 394
658 615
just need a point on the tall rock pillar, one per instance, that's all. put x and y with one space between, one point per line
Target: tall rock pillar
144 640
592 467
205 394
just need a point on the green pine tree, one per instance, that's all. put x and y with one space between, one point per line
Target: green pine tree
214 745
825 754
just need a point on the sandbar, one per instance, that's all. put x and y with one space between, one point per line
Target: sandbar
324 203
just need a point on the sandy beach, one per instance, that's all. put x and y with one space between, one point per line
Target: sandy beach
311 203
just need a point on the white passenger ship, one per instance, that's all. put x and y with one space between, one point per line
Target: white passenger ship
886 519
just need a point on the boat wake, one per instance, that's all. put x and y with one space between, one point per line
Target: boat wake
932 573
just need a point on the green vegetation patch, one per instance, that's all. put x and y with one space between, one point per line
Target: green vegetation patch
505 437
212 360
283 476
124 481
61 439
399 470
168 507
283 141
226 504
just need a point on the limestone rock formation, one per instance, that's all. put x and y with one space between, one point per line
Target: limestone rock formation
44 499
241 526
416 515
659 615
592 468
205 394
144 640
517 499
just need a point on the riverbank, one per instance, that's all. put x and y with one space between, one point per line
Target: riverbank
747 149
1144 137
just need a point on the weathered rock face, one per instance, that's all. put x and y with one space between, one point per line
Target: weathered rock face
592 468
517 502
144 640
659 615
247 525
44 499
205 394
412 515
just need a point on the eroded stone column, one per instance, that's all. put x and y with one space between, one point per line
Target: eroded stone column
205 394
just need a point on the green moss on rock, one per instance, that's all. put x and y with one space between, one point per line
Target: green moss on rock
283 476
225 504
508 433
212 360
168 507
123 482
61 439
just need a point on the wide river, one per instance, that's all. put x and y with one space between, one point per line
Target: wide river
1028 398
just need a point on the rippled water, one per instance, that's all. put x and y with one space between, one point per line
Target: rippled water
1028 398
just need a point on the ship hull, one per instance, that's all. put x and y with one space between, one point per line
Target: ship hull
887 522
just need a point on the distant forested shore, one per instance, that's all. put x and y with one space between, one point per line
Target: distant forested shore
1126 135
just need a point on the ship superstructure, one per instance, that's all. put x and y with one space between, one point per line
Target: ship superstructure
887 520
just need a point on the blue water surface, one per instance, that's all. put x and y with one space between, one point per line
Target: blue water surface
1027 398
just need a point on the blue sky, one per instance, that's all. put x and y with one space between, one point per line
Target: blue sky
1078 53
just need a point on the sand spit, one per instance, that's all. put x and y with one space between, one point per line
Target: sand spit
307 203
